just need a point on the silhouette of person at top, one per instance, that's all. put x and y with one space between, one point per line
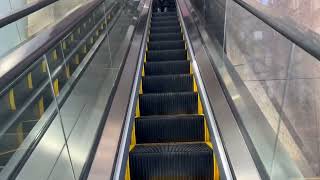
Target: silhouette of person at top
162 5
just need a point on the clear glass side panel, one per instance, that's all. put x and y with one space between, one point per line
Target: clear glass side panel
274 87
27 109
82 110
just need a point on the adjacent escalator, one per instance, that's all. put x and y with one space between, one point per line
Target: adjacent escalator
170 138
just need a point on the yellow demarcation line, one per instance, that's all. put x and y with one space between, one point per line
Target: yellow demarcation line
54 55
56 87
12 100
137 109
77 59
68 71
29 81
44 66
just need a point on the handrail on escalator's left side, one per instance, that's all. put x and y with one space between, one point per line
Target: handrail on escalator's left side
24 11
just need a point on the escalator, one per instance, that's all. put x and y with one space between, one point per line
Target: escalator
170 138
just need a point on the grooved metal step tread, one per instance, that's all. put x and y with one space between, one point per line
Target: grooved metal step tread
165 23
154 14
167 29
168 103
163 18
167 67
162 129
166 55
167 83
166 36
166 45
190 161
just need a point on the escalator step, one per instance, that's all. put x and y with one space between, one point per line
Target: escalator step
164 14
167 67
164 18
167 83
165 23
168 29
167 55
165 45
189 161
160 129
166 36
168 103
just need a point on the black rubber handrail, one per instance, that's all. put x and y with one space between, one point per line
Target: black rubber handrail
15 63
309 41
24 11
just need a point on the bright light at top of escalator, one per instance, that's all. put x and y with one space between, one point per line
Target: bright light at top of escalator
265 2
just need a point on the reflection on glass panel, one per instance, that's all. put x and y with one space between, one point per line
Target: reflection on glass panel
274 85
10 38
23 113
33 23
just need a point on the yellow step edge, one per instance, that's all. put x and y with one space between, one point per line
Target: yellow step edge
195 87
206 131
133 136
200 109
209 144
140 88
216 169
127 175
137 109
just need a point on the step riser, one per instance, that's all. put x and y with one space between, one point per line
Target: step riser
169 129
168 104
164 84
172 67
160 30
167 45
194 162
164 14
166 37
164 24
166 55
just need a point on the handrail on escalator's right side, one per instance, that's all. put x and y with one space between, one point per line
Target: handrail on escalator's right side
306 41
24 11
